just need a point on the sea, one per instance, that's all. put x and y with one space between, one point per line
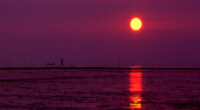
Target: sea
99 89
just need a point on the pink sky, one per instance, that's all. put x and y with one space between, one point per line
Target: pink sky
96 33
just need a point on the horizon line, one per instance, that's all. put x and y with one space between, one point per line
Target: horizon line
94 67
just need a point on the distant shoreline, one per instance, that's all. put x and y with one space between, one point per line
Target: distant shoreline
114 68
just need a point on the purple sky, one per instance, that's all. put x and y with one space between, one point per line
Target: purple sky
97 32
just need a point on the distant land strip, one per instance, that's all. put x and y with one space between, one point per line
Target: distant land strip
117 68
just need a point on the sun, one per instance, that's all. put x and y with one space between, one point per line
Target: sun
136 24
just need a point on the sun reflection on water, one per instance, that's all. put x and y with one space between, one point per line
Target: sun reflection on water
135 90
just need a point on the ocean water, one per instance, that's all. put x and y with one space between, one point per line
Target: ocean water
101 89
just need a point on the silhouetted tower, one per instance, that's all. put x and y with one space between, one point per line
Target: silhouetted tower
62 62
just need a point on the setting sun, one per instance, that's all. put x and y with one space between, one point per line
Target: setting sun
136 24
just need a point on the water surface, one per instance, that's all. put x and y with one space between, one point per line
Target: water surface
99 89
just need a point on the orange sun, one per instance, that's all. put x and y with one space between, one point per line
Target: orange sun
136 24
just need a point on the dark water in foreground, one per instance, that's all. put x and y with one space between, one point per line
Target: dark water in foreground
99 89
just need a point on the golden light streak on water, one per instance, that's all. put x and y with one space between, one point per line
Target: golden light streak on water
135 89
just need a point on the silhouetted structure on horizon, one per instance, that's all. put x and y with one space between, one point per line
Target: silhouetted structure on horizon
62 62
